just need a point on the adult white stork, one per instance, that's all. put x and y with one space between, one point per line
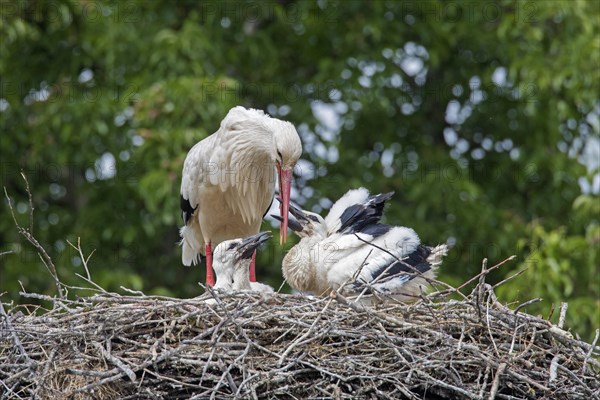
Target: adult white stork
357 255
231 259
228 182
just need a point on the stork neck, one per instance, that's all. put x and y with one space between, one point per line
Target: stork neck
224 279
299 264
241 278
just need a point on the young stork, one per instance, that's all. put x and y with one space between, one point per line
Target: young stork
302 267
241 279
351 252
231 259
228 182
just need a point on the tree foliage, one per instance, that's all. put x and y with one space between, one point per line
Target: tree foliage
481 116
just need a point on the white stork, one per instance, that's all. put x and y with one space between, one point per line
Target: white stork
350 251
302 266
241 279
228 182
231 259
353 211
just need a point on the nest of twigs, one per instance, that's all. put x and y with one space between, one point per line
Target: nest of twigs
247 345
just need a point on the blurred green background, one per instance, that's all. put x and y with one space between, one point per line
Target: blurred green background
483 117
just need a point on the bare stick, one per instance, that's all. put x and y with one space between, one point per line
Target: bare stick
589 353
561 322
554 368
42 252
563 314
16 339
529 302
496 382
84 260
30 200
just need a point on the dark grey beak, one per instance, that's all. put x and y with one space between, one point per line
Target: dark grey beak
293 224
251 243
296 212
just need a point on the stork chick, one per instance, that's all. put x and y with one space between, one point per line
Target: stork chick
301 267
230 262
304 266
356 255
231 259
228 182
247 247
382 260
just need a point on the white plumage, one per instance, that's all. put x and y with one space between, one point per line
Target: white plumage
228 181
352 252
231 261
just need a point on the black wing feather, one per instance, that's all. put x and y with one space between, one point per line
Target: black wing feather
410 266
415 263
358 216
186 209
376 230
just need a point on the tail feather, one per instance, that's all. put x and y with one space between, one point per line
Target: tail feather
437 254
190 247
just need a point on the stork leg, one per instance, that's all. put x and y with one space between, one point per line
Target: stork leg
210 278
253 267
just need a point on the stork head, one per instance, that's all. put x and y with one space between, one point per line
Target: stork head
288 150
232 252
305 223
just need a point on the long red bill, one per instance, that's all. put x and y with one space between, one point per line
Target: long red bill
285 180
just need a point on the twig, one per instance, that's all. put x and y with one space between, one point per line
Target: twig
563 314
84 260
511 277
485 272
30 200
554 368
41 251
527 303
590 351
114 360
561 322
28 361
496 383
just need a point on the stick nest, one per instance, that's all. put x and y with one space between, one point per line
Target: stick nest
246 345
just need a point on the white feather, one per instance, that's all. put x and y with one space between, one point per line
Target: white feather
364 258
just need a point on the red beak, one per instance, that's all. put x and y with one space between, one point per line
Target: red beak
285 180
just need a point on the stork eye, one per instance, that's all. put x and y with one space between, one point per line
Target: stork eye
231 246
